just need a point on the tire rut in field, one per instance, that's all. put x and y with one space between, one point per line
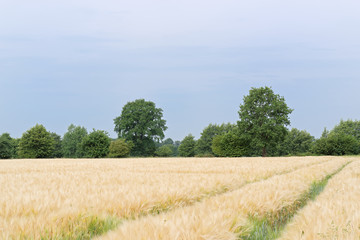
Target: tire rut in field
93 225
272 224
169 206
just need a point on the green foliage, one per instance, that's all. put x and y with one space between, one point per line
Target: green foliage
231 144
165 150
7 146
96 144
141 122
187 146
203 145
72 140
119 148
168 141
348 127
36 143
57 145
336 144
296 142
16 143
263 117
173 146
272 224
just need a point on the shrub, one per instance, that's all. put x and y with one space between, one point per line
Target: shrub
231 144
336 144
164 151
119 148
187 146
96 144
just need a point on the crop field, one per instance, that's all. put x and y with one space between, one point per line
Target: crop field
181 198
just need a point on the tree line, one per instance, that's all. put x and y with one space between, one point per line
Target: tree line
260 131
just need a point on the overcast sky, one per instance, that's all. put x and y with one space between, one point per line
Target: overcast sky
80 62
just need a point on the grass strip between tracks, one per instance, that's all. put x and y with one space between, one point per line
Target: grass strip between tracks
271 225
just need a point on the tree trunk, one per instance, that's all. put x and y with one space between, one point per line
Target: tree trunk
264 153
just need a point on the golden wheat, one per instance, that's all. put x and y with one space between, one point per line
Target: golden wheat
336 212
54 197
224 216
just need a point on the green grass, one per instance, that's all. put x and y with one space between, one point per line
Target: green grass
83 227
272 225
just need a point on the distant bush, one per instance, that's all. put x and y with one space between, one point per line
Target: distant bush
119 149
231 144
296 143
203 145
336 144
205 155
96 144
71 143
187 146
164 151
57 146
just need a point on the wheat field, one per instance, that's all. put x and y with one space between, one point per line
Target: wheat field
167 198
337 210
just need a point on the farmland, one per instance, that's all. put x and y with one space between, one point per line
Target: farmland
176 198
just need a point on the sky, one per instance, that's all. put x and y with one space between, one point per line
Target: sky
79 62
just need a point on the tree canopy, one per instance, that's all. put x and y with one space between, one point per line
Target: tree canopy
96 144
204 144
57 146
141 122
36 143
187 146
165 150
7 146
348 127
263 116
71 141
296 142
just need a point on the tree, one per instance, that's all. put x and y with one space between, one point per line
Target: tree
7 146
119 148
168 141
72 140
36 143
263 117
203 145
231 144
348 127
57 145
187 146
296 142
141 122
96 144
336 144
165 150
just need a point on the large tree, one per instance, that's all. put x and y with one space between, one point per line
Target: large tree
141 122
263 117
36 143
